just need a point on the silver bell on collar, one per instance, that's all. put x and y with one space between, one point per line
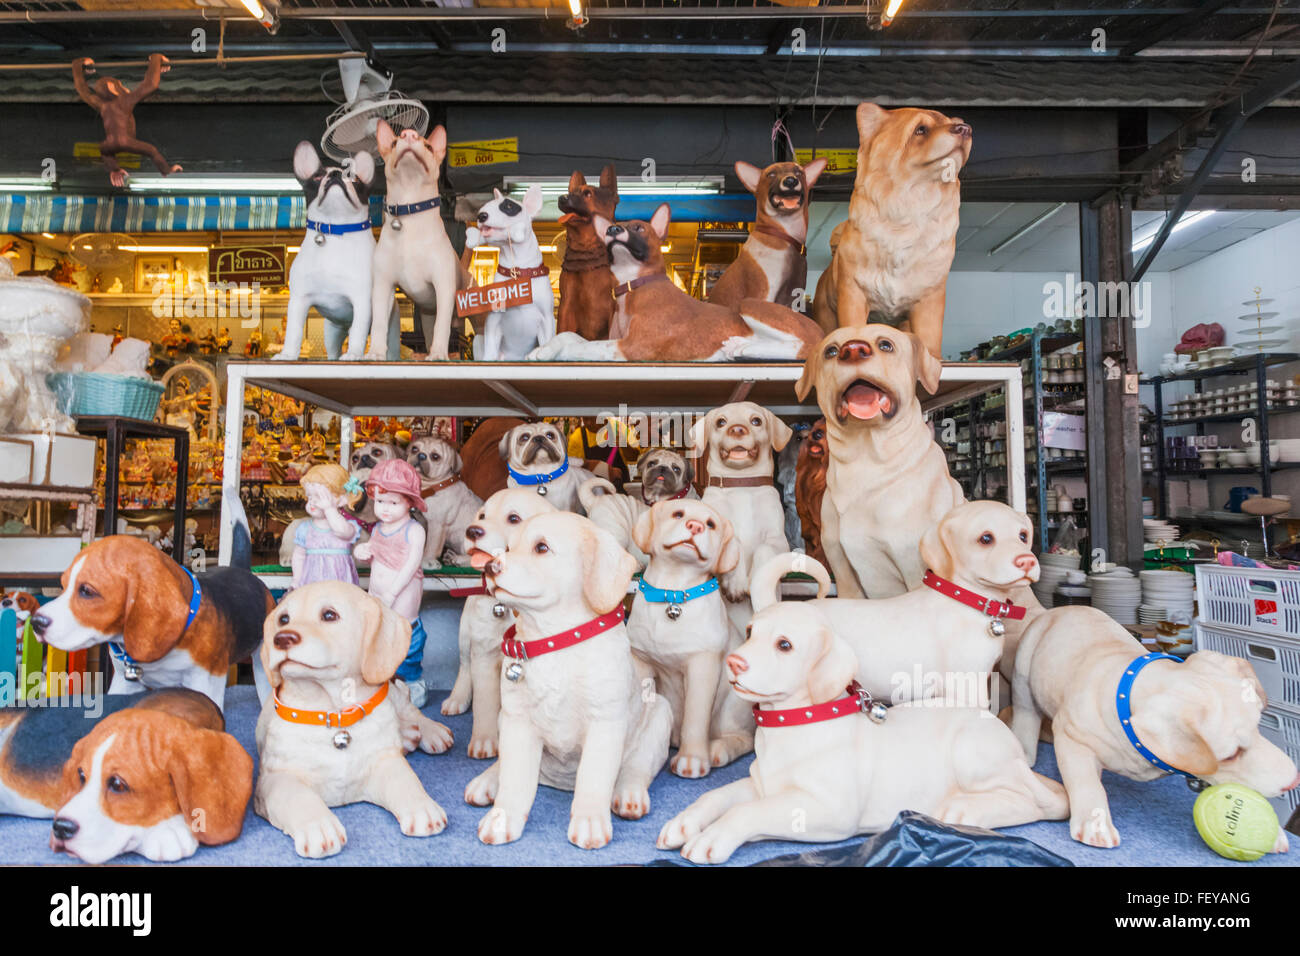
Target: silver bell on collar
996 627
397 224
131 671
877 712
320 238
541 490
673 611
498 610
342 739
515 672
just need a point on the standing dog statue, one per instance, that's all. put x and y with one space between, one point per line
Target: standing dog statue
414 252
655 321
450 505
332 271
586 282
892 260
886 479
512 333
773 262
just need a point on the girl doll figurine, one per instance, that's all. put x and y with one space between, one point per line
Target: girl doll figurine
322 545
395 551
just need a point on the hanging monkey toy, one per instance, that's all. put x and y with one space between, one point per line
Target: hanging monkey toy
115 102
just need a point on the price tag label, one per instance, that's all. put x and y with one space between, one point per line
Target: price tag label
484 153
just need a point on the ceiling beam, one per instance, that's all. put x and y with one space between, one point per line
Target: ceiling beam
1172 27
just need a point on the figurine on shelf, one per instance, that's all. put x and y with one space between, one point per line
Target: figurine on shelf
253 347
322 545
223 340
395 551
208 343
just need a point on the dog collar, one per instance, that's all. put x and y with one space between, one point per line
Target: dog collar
718 482
429 490
1124 707
997 610
623 288
785 236
675 599
337 229
541 481
528 272
130 666
858 701
332 718
681 494
527 650
411 208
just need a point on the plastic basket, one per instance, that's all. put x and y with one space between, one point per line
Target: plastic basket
1258 600
1276 660
1283 729
91 393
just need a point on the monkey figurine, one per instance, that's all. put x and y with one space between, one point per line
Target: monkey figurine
115 102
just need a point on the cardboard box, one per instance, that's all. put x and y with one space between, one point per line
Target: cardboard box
38 554
64 460
16 456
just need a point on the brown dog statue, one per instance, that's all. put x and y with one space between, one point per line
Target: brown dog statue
586 282
810 487
894 254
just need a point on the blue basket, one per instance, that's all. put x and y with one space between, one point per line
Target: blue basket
92 393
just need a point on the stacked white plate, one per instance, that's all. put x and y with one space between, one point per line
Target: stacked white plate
1118 593
1154 529
1148 615
1170 591
1052 568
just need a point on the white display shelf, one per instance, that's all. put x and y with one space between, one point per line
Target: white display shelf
546 389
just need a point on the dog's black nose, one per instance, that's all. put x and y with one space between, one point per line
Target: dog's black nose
790 182
482 217
366 462
961 129
284 639
613 230
737 431
64 828
539 438
474 532
39 623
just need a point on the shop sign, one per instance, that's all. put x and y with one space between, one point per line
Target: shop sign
1061 430
484 153
248 264
496 297
837 160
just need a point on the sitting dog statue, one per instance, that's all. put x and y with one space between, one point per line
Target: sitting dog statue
450 505
332 271
414 252
338 725
664 475
1114 706
892 260
655 321
537 458
512 333
825 769
586 282
578 711
810 488
773 262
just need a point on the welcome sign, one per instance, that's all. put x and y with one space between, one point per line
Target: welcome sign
496 297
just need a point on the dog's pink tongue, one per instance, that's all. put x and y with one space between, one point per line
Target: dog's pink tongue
863 401
478 560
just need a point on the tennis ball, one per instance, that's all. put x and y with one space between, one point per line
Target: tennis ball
1235 821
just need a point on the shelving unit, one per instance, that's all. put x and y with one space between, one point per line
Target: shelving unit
545 389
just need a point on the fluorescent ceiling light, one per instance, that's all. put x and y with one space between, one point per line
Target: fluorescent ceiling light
1148 232
666 247
48 235
891 11
214 184
181 249
25 184
689 186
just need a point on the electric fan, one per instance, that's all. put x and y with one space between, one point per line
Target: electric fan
99 250
370 98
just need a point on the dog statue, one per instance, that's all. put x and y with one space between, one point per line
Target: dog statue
414 252
512 333
892 260
810 488
450 504
332 271
655 321
537 458
773 262
586 282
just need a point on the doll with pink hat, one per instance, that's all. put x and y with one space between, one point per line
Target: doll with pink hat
395 551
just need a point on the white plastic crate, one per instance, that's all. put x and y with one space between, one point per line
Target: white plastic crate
1276 660
1258 600
1283 729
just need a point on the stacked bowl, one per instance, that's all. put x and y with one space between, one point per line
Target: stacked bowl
1117 592
1170 592
1053 566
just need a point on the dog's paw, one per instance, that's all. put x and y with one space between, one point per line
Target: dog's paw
720 754
410 737
1095 829
166 843
423 819
677 831
590 831
734 590
454 705
499 827
435 738
432 564
690 765
483 748
711 846
319 837
631 803
282 356
482 790
438 355
351 356
473 238
1280 845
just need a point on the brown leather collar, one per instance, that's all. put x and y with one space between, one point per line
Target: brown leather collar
623 288
430 490
716 482
531 272
785 236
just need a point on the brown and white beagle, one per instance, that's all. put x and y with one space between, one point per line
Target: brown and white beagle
152 781
165 626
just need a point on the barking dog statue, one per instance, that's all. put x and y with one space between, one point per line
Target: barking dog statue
586 282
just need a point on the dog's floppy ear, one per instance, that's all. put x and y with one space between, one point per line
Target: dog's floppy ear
748 175
643 531
609 179
384 137
503 446
1172 726
153 618
437 141
779 431
1214 662
689 475
728 550
834 670
699 440
213 779
660 220
936 554
268 631
363 167
607 568
454 459
533 200
870 118
928 368
812 367
813 170
386 640
305 161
